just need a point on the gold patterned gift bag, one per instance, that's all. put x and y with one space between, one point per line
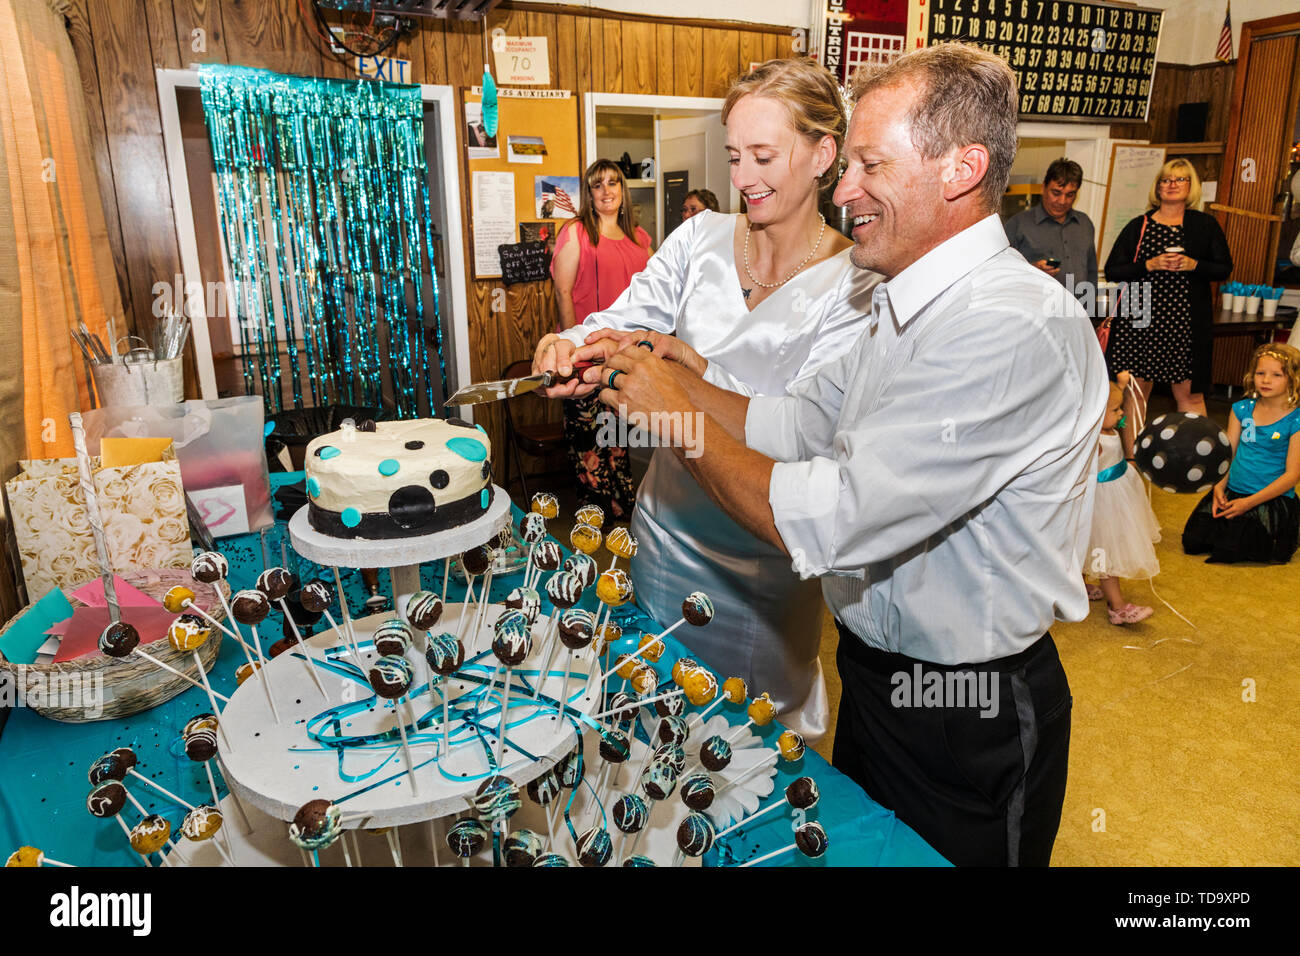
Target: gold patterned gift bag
143 508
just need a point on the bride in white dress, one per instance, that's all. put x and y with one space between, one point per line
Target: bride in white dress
765 299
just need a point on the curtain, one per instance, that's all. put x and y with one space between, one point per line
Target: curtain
56 266
323 201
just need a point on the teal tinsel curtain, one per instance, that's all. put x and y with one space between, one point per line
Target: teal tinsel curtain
322 190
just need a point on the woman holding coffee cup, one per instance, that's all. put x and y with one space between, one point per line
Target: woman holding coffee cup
1180 251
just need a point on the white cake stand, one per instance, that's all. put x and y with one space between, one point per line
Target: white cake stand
402 556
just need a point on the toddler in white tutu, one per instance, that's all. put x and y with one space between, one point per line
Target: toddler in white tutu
1123 525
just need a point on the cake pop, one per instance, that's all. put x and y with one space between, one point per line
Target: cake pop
803 793
734 689
250 607
546 556
106 799
564 589
644 680
623 707
445 654
607 634
621 542
390 676
188 632
107 767
631 813
25 856
659 779
577 628
512 638
584 567
176 598
695 834
315 596
715 754
700 686
466 837
497 798
522 848
762 710
246 670
282 646
672 730
590 514
545 504
595 847
650 648
614 587
698 791
201 744
423 610
150 834
275 583
544 788
673 706
527 600
118 639
316 825
681 666
551 859
672 755
197 723
791 745
209 567
809 839
476 560
571 768
614 746
697 608
532 528
585 538
638 861
393 638
201 823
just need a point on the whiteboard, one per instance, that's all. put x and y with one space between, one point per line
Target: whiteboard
1132 171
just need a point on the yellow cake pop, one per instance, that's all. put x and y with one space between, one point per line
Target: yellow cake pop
735 690
682 666
762 710
791 745
651 648
624 665
700 686
25 856
621 542
202 823
590 514
175 599
644 680
610 633
585 538
614 587
150 834
188 632
545 505
246 670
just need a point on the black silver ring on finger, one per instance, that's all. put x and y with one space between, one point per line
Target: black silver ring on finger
646 344
612 376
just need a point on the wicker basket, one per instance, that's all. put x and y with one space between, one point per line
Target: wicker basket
131 684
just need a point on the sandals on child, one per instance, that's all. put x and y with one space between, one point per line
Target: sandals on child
1129 614
1094 593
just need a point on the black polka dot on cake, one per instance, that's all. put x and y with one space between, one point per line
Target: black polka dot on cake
459 423
439 479
414 445
487 469
411 506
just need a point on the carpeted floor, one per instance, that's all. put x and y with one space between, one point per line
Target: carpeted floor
1185 747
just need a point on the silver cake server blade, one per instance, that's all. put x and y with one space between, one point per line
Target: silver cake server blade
507 387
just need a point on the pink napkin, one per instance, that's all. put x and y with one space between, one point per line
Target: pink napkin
81 637
92 594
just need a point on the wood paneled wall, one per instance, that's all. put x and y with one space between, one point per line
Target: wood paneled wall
119 43
1175 84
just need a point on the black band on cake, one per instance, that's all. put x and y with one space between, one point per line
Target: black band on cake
382 525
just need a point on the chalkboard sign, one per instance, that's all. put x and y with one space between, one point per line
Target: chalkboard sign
524 262
1071 59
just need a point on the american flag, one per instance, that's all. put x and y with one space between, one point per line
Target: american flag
1224 51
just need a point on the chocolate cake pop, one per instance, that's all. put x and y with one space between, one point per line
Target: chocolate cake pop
631 813
445 654
715 753
584 567
670 706
201 745
638 860
672 730
698 791
551 859
393 638
543 789
522 848
695 834
545 504
659 779
512 640
623 707
803 793
118 639
697 608
585 538
390 677
497 798
128 757
671 754
811 839
177 598
282 646
466 837
614 587
546 556
202 823
532 528
614 746
577 628
590 514
209 567
423 610
150 834
791 745
564 589
525 599
595 847
188 632
250 607
316 825
476 560
315 596
107 767
107 799
571 768
275 583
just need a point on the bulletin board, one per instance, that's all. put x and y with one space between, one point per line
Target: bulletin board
533 113
1128 186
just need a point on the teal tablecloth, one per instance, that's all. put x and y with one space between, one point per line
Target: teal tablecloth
43 763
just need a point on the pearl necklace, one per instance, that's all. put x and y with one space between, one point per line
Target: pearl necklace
773 285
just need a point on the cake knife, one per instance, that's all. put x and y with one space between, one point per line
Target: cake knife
509 387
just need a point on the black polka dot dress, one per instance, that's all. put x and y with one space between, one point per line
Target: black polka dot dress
1162 351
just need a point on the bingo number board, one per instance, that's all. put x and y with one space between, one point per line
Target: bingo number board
1076 60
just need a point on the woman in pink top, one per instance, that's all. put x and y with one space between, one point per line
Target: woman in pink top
595 257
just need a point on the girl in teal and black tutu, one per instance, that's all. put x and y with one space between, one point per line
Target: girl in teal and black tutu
1252 513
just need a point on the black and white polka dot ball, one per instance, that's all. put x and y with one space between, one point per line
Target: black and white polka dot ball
1182 452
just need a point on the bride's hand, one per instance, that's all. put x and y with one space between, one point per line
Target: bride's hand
667 347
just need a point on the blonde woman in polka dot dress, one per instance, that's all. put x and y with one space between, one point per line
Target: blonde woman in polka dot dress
1177 344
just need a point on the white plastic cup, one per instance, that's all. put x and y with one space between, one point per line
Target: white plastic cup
1227 299
1269 308
1238 304
1252 305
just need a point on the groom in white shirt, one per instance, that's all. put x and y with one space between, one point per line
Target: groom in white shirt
938 476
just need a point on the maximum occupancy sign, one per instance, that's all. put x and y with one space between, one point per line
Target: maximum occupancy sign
1073 59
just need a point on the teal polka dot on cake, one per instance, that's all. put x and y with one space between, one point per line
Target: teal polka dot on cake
483 499
270 427
388 467
471 449
350 517
313 487
328 451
